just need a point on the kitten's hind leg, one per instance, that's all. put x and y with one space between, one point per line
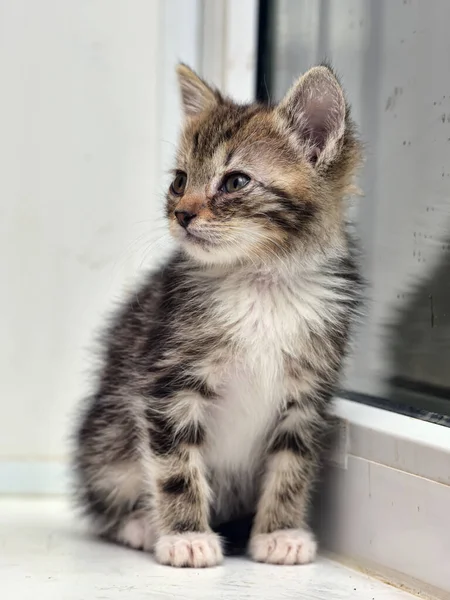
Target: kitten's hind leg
113 499
136 531
112 478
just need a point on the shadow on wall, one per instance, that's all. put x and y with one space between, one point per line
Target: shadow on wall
420 343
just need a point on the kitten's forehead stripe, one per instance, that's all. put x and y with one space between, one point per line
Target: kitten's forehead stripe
220 128
229 157
195 143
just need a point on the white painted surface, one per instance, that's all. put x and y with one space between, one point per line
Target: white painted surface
229 46
180 30
393 519
25 477
241 39
88 123
44 554
394 424
398 441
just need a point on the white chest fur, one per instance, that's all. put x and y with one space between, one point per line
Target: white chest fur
266 320
238 422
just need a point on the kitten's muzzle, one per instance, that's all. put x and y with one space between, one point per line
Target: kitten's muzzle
184 217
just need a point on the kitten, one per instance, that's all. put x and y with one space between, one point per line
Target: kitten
212 402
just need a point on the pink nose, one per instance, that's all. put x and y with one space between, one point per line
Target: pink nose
184 217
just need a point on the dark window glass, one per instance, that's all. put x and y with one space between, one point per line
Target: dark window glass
393 60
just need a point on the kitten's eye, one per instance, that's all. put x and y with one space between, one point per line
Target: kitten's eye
235 182
179 184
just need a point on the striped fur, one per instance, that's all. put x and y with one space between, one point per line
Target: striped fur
218 372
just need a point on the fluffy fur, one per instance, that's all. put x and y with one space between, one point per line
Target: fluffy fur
212 402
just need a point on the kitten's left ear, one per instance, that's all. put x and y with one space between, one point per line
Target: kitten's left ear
315 108
196 95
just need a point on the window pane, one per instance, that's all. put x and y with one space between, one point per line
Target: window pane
393 59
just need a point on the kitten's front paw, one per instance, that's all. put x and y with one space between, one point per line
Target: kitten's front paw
284 547
189 550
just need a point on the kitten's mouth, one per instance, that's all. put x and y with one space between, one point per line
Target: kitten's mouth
195 237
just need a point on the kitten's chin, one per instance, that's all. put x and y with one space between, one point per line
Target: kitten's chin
204 250
211 254
220 251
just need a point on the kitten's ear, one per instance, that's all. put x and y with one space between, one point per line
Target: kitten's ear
196 95
315 108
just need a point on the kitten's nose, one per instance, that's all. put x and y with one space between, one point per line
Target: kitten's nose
184 217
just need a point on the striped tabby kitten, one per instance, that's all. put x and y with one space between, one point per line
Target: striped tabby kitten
212 402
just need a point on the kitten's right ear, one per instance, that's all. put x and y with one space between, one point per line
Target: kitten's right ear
196 95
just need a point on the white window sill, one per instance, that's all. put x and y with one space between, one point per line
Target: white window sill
388 491
390 423
45 555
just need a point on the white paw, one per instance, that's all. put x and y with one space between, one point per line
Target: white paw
284 547
138 533
189 550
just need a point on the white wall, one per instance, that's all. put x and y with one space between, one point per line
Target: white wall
88 119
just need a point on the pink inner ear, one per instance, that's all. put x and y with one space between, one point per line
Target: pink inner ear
316 109
322 117
317 125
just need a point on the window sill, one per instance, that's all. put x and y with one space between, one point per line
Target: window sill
46 554
387 493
